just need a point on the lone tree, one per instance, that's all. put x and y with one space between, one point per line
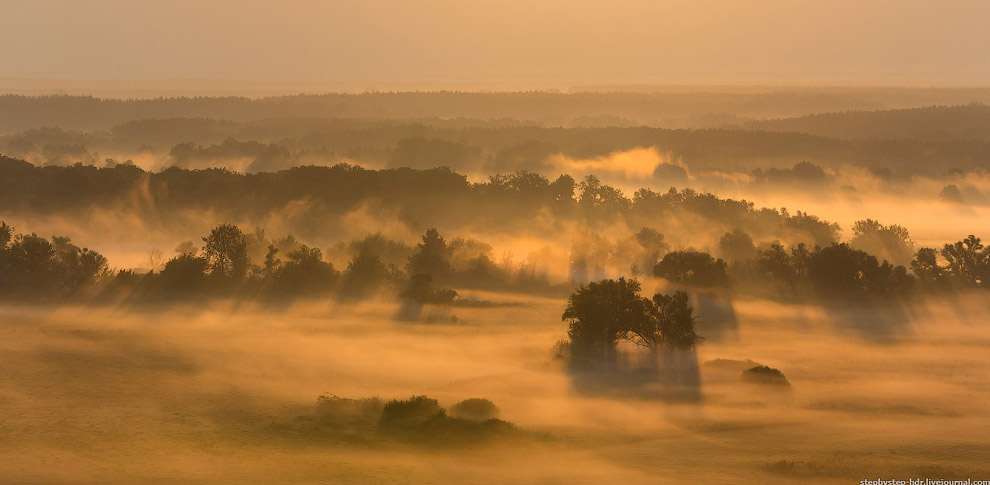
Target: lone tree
602 313
226 251
605 312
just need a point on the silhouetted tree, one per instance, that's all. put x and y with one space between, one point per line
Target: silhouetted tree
675 320
433 257
653 247
226 251
839 271
184 274
737 246
886 242
187 248
6 234
670 323
602 313
598 201
968 262
305 273
272 262
925 267
365 273
692 268
787 271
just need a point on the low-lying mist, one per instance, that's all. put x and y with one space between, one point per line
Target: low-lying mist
208 394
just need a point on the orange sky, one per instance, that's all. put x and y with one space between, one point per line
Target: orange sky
492 43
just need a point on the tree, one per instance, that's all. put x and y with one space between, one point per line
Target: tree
602 313
433 257
599 201
305 272
365 273
155 259
839 271
186 248
692 268
670 323
605 312
891 242
272 262
653 245
226 252
6 234
737 246
968 262
776 263
925 267
675 320
184 274
32 265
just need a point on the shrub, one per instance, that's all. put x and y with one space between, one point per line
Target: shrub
339 410
765 375
475 409
412 411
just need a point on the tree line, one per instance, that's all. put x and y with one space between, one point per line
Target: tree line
231 262
506 203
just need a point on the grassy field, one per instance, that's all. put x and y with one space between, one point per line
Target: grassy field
191 395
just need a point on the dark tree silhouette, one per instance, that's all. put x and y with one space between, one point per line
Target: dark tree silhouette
737 246
968 262
32 266
839 271
675 320
184 274
433 257
925 267
6 234
776 263
305 273
602 313
692 268
226 252
365 273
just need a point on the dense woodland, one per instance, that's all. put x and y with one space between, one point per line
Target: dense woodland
230 264
669 106
491 133
420 198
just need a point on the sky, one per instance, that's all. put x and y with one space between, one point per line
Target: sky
488 43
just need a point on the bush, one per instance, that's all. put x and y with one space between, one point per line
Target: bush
446 431
765 375
338 410
412 411
475 409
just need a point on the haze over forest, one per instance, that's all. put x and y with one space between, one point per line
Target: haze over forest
489 242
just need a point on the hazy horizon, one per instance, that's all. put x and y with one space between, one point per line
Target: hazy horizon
344 46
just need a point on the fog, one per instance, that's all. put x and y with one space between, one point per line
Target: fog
118 396
435 274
